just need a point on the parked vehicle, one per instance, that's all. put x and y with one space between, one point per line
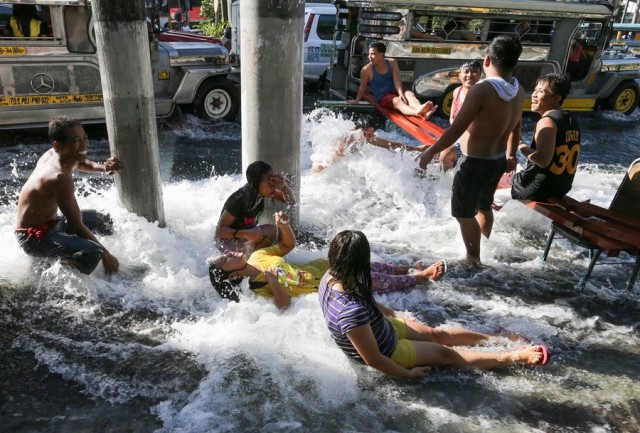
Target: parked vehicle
59 74
547 30
320 26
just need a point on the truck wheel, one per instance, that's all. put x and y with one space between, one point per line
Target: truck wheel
216 100
625 99
444 104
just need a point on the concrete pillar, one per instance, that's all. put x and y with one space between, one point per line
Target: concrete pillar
125 71
271 87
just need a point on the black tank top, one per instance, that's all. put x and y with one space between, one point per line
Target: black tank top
555 180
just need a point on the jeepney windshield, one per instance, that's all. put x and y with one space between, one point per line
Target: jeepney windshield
79 27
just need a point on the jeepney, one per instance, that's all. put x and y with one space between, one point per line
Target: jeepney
547 30
59 73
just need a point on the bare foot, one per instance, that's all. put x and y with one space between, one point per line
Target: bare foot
531 355
433 272
426 110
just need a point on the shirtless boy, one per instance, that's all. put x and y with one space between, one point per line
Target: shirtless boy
39 229
491 116
383 76
364 132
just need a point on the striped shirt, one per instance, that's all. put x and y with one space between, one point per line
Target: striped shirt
343 312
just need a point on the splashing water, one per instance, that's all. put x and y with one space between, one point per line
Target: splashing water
157 332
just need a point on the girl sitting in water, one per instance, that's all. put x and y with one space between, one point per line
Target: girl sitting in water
238 228
373 334
271 275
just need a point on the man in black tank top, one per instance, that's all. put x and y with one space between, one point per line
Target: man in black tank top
555 147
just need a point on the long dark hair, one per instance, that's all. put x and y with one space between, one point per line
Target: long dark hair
220 282
255 172
350 263
226 288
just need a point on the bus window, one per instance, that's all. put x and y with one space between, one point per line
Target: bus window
527 30
25 21
445 27
80 36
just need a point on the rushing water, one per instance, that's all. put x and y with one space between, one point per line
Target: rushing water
154 348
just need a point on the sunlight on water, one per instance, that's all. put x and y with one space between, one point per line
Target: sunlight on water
157 329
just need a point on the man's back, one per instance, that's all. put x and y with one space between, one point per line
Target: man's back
493 121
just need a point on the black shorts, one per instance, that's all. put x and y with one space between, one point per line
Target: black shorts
475 183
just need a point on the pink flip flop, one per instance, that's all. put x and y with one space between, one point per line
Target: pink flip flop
444 270
545 355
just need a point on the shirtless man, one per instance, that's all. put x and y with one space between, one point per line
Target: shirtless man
488 125
39 229
383 76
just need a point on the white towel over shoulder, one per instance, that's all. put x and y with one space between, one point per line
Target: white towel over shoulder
506 91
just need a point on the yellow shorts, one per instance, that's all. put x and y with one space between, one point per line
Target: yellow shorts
405 352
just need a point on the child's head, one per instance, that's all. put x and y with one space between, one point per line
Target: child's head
350 262
470 72
366 123
259 179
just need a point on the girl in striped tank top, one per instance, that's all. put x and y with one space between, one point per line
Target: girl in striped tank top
375 335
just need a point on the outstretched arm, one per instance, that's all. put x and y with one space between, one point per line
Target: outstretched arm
110 166
389 144
468 112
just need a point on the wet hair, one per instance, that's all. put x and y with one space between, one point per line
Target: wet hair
220 281
504 52
471 64
255 172
350 263
559 84
58 127
365 121
379 46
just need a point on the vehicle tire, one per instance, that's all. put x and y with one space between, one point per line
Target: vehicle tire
444 104
217 100
625 98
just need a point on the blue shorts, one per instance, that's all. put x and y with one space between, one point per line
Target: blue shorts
59 241
474 184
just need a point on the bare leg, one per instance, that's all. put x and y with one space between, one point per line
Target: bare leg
418 331
485 221
470 230
433 354
414 107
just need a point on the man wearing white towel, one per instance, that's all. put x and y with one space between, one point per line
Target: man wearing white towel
488 126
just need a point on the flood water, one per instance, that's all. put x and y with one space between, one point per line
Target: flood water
154 348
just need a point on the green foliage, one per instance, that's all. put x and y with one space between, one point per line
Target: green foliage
206 9
210 28
208 25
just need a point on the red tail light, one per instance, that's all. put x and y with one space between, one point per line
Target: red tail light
307 28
